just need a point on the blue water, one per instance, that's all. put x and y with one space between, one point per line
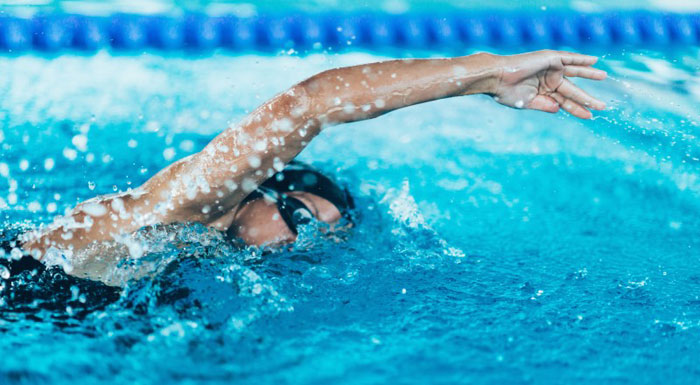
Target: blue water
494 245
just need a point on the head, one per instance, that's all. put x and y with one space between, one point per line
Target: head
271 214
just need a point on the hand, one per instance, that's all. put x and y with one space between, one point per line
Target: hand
538 81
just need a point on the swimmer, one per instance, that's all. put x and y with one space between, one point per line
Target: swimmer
245 183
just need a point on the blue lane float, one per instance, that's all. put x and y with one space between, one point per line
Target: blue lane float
303 32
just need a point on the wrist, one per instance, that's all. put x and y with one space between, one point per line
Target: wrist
486 70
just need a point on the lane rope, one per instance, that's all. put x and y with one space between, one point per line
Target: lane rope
56 32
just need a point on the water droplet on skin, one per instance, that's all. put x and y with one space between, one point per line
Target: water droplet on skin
277 164
94 209
260 145
519 104
254 161
249 185
230 185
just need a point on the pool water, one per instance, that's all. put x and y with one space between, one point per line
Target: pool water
493 246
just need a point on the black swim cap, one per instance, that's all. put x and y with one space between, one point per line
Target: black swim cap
298 176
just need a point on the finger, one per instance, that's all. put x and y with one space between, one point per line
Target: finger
570 91
572 107
584 72
571 58
544 103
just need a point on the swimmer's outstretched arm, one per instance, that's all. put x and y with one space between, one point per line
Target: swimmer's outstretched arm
206 187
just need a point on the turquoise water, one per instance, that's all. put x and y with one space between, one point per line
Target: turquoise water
494 245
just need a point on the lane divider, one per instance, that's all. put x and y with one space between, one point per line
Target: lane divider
55 32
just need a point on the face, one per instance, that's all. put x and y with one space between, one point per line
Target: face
259 222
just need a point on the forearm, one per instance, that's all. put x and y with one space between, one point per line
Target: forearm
98 219
362 92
